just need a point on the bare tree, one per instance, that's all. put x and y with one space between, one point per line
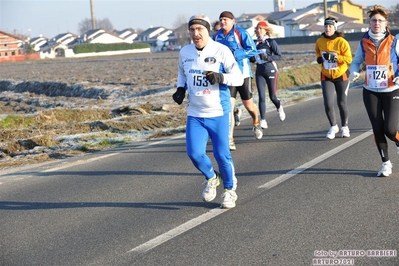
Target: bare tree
86 25
181 30
394 16
179 21
105 24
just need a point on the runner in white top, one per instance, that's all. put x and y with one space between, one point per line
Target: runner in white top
205 70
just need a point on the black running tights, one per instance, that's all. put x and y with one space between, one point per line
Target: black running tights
383 112
340 88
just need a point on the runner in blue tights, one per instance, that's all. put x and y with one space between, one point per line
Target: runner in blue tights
205 70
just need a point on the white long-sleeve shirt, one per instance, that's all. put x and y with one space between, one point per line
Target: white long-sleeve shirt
204 99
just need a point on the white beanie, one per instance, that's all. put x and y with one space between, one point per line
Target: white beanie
201 20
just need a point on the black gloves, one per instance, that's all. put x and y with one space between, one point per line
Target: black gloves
330 57
213 77
263 57
320 60
326 56
179 95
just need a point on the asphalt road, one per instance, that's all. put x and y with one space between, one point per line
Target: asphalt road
302 200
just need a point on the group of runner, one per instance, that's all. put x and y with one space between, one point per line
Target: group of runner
214 69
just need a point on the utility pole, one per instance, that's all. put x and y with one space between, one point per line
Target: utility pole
325 9
93 17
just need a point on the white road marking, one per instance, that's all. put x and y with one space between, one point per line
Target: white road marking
161 141
79 162
217 211
315 161
177 231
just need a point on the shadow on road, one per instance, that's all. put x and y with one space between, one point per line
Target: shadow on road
23 205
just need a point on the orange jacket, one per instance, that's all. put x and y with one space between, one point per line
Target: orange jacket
383 55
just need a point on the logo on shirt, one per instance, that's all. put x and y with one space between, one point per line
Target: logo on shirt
384 84
206 91
210 60
195 71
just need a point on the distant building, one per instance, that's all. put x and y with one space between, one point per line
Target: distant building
100 36
344 7
57 46
12 48
129 35
279 5
157 37
10 45
309 21
249 22
38 42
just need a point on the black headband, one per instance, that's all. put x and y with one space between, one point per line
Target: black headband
200 22
331 22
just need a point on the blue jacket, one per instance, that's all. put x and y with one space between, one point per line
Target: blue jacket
241 45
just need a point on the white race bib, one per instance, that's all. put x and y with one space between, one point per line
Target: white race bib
327 64
377 76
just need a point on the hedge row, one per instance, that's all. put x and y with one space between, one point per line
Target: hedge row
102 47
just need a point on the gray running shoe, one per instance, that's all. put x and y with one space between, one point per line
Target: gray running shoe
258 131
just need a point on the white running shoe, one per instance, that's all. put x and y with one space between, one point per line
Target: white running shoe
258 131
229 199
237 116
232 145
331 133
281 113
263 124
209 192
386 169
235 181
345 133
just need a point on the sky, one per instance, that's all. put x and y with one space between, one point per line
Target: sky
52 17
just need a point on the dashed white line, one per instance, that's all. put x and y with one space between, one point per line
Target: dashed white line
177 231
315 161
79 162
